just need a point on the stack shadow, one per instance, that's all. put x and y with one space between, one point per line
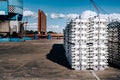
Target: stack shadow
113 65
57 55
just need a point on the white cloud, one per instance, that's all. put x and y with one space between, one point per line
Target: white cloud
72 16
46 14
114 16
63 16
88 14
85 14
29 13
59 29
32 26
55 16
55 28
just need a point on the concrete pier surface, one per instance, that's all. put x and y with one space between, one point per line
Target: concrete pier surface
44 60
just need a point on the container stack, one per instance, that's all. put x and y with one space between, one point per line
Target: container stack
114 43
85 42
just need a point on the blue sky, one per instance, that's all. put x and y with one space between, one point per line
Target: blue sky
66 7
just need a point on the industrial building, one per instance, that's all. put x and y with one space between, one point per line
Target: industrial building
85 43
41 22
114 43
11 13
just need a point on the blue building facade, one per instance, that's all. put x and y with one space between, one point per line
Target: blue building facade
3 7
11 10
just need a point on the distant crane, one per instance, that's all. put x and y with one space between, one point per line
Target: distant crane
95 6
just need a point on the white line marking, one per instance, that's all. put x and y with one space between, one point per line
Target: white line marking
97 78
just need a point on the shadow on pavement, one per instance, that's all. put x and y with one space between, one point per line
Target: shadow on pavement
114 65
57 55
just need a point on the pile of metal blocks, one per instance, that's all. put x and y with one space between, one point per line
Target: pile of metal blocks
85 43
114 43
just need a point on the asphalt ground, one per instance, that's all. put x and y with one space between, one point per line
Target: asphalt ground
44 60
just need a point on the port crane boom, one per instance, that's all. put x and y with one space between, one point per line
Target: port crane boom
93 3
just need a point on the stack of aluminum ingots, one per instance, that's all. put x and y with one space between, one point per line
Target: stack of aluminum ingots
85 43
114 43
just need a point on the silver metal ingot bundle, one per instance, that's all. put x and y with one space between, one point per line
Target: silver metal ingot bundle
85 43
